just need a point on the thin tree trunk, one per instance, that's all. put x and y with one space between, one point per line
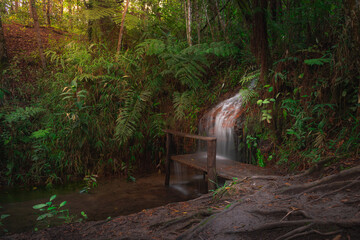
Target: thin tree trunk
61 8
48 10
208 22
222 23
43 10
198 27
16 5
122 26
37 32
188 18
88 5
3 52
259 43
352 11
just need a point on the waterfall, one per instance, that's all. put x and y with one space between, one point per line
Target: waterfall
220 122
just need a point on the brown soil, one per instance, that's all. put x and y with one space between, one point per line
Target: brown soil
21 41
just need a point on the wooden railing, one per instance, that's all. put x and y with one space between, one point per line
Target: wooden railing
211 156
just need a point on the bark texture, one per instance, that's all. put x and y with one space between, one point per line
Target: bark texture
37 32
3 52
121 33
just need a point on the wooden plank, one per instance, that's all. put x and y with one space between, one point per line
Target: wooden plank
168 158
180 134
225 168
211 164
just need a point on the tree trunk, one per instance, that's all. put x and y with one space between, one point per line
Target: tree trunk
88 5
3 52
259 41
43 10
208 22
16 5
37 32
187 4
61 8
198 27
122 26
352 11
48 11
222 23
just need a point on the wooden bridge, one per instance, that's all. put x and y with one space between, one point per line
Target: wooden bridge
208 163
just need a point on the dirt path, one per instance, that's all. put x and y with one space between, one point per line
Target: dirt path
270 207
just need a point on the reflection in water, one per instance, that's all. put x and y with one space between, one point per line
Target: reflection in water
114 197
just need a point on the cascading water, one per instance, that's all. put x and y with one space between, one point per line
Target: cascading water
220 122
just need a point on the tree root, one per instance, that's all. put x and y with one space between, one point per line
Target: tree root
318 166
204 222
301 234
197 216
304 225
282 211
346 174
356 181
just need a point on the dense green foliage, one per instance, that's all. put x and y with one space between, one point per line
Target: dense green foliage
97 112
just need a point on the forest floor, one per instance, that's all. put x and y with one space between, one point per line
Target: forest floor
24 57
323 203
304 206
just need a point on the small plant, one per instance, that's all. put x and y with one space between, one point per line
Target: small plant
49 211
2 217
226 188
90 182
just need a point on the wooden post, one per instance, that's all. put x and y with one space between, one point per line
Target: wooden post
167 161
211 164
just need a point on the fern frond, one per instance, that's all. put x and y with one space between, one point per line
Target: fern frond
249 77
151 47
98 12
182 103
130 114
21 114
248 95
157 124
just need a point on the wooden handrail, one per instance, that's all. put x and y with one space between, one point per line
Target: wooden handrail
211 156
181 134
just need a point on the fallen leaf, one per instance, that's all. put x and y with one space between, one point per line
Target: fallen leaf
337 237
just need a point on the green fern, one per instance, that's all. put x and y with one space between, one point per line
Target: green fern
248 95
151 47
249 77
187 68
182 103
98 12
130 114
22 114
157 124
317 61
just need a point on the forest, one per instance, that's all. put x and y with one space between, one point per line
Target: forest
88 87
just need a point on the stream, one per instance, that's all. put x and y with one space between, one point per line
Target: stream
111 198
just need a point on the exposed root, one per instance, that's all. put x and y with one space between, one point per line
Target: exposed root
295 231
304 225
301 234
356 181
344 175
318 166
196 216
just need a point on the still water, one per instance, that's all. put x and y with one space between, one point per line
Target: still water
113 197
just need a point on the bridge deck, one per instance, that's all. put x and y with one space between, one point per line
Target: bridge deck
225 168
